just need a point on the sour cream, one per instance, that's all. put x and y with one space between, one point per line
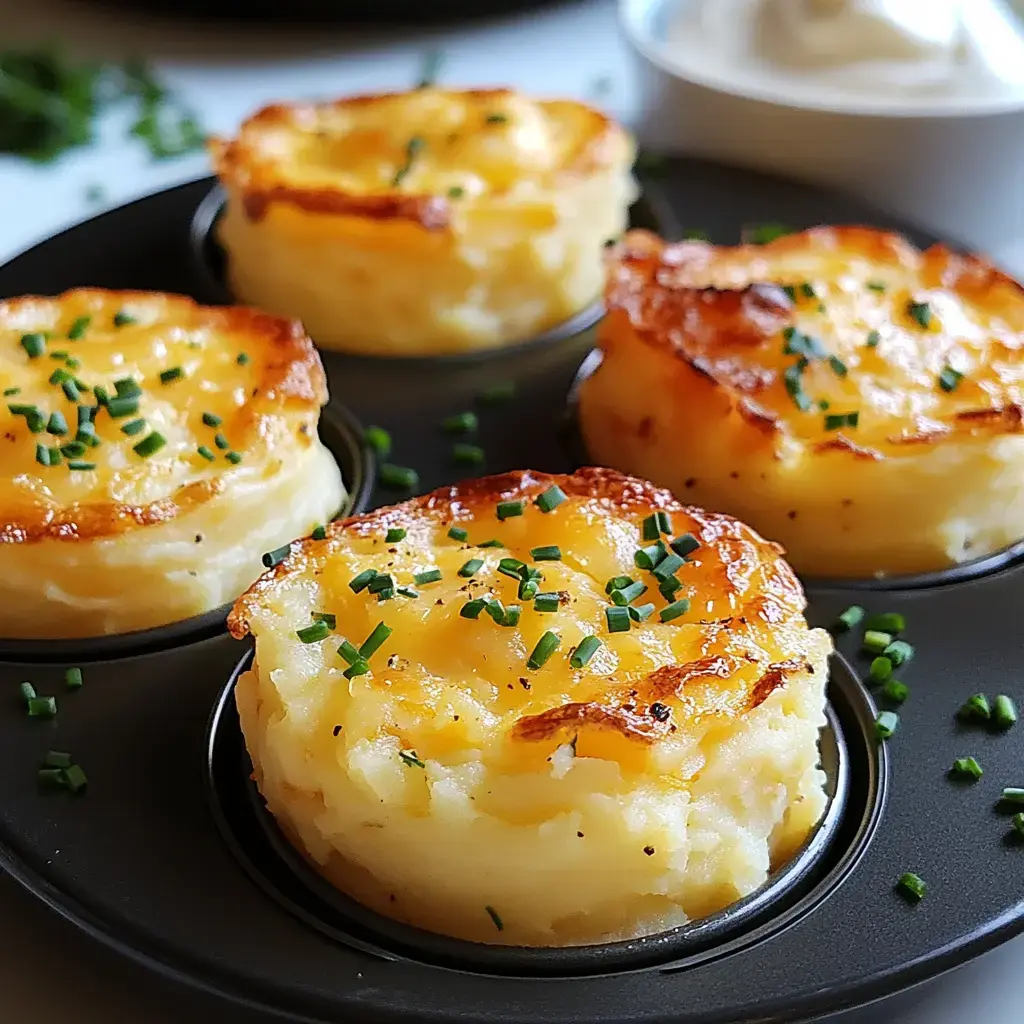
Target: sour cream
888 53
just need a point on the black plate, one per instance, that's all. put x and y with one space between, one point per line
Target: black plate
171 860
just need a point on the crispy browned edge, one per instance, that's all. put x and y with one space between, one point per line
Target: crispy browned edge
618 492
292 372
635 267
236 165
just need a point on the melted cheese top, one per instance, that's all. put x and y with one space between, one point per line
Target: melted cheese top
257 378
921 346
743 636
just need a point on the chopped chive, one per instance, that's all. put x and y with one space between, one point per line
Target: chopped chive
211 420
674 610
73 364
456 192
949 379
1012 795
101 395
55 456
792 378
513 613
668 566
670 587
314 633
409 759
33 344
886 622
1018 823
640 612
360 668
221 442
86 413
836 421
496 119
472 566
899 652
234 457
329 618
493 915
407 592
70 389
42 455
790 292
373 643
685 545
839 368
86 434
651 530
546 553
472 609
807 290
875 641
75 778
546 646
73 450
912 887
627 595
27 691
203 451
395 534
278 555
379 440
59 376
549 500
490 544
120 407
56 424
81 467
510 509
496 610
975 708
496 393
123 319
618 583
876 286
848 619
873 339
461 423
77 330
319 532
617 619
895 691
52 777
348 652
412 149
881 669
242 359
42 707
427 576
511 567
381 581
12 391
133 427
1004 712
585 650
172 374
762 234
149 445
458 533
398 478
546 603
73 678
127 387
921 313
649 557
966 767
468 454
886 724
528 589
57 759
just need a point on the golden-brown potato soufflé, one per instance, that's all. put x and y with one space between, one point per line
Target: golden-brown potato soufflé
152 450
424 222
537 710
852 397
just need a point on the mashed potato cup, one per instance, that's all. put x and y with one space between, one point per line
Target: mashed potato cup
426 222
153 449
537 710
851 397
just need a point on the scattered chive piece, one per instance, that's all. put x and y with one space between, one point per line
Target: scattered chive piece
912 887
398 478
881 669
549 500
70 389
670 587
836 421
1018 823
875 641
86 414
373 643
1004 712
149 445
33 344
456 192
348 652
651 529
234 457
886 724
546 603
73 678
169 376
762 234
528 589
511 567
409 759
790 292
899 652
949 379
546 553
42 455
496 610
510 509
886 622
674 610
895 691
966 767
79 327
278 555
493 915
649 557
472 609
585 650
468 454
122 319
458 533
920 312
75 779
807 290
848 619
640 612
329 618
360 668
685 545
1012 795
319 532
461 423
876 286
546 646
512 615
472 566
119 407
379 440
380 582
617 583
81 467
314 634
53 777
221 442
133 427
428 576
668 566
412 149
242 359
394 535
839 368
501 392
975 708
496 119
101 395
407 592
27 691
618 619
55 456
73 449
873 339
57 759
203 451
127 387
42 707
73 364
58 376
211 420
12 391
627 595
490 544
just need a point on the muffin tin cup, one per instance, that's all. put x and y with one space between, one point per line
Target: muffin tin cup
171 840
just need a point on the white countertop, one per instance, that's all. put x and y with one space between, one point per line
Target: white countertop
48 972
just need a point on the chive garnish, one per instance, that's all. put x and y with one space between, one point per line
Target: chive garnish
127 387
490 544
649 557
873 339
412 149
836 421
59 376
27 691
319 532
11 391
875 641
617 583
668 566
70 390
242 359
528 589
75 778
119 407
966 767
674 610
899 652
921 313
394 535
546 553
628 594
123 319
617 619
456 192
421 579
72 364
670 587
41 707
221 442
348 652
640 612
172 374
650 530
881 669
407 592
57 759
278 555
73 450
328 618
807 290
546 646
685 545
234 458
375 640
501 392
1012 795
314 633
1004 712
1018 823
886 724
876 286
886 622
203 451
472 609
381 581
101 395
360 668
409 759
81 467
149 445
895 691
949 379
513 613
42 455
510 509
496 610
33 344
462 423
546 603
839 368
398 478
585 650
379 440
77 330
493 915
211 420
511 567
975 708
912 887
793 379
848 619
549 500
496 119
472 566
468 454
133 427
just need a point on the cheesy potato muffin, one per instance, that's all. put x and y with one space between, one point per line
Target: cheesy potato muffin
537 710
151 451
423 222
852 397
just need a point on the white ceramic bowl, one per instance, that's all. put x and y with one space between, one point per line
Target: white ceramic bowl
957 169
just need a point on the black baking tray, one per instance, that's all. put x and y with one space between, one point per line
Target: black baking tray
171 858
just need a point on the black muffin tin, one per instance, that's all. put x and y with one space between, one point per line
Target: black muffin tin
171 857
